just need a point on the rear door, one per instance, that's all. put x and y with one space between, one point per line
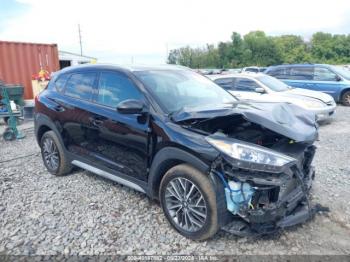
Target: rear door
300 77
73 110
120 141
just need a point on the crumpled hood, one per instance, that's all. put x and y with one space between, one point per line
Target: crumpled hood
286 119
325 98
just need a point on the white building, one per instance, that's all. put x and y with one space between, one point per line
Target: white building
70 59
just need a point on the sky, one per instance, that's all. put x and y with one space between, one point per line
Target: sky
143 31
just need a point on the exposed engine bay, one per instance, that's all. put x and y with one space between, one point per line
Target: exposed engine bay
239 128
261 197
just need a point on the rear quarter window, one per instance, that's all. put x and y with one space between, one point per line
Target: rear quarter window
60 82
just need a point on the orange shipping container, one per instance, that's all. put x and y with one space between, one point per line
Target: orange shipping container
19 61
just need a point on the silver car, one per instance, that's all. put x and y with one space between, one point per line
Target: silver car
261 87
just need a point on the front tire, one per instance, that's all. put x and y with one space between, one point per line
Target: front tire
188 200
345 98
53 155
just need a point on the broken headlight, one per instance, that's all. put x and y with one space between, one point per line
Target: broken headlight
313 104
249 155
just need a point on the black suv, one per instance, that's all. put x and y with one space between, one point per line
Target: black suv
212 161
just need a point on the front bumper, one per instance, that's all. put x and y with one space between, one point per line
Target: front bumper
325 113
301 214
280 200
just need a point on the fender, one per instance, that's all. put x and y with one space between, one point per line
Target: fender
43 120
165 159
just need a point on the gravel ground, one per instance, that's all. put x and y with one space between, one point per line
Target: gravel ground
85 214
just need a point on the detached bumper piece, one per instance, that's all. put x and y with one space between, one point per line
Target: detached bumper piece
280 200
300 215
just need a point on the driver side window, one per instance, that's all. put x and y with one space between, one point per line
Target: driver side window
324 74
246 85
114 88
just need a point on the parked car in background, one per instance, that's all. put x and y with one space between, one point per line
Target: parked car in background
262 87
212 161
232 71
212 71
333 80
253 69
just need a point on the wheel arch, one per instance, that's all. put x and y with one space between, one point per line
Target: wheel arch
167 158
43 124
346 89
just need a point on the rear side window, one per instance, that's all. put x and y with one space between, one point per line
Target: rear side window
114 87
324 74
61 82
226 83
280 72
247 85
302 73
254 70
80 85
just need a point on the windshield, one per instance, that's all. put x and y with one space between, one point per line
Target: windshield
176 89
273 83
342 71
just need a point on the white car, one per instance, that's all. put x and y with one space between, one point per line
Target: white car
261 87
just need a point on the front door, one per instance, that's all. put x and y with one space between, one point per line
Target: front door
120 141
244 89
327 81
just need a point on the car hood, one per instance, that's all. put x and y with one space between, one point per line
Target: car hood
312 94
286 119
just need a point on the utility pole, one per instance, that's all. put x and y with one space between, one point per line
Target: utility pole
81 46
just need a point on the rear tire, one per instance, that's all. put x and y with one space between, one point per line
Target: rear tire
188 200
345 98
53 154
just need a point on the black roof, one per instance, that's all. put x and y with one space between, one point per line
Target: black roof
132 68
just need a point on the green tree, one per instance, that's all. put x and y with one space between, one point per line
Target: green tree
263 51
256 48
291 48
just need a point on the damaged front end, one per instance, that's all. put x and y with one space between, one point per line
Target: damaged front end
264 165
264 201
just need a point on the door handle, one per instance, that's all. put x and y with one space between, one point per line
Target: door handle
96 121
58 108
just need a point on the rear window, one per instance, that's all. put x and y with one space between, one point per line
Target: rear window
80 85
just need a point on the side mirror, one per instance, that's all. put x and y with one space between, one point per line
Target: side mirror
130 106
260 90
337 78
